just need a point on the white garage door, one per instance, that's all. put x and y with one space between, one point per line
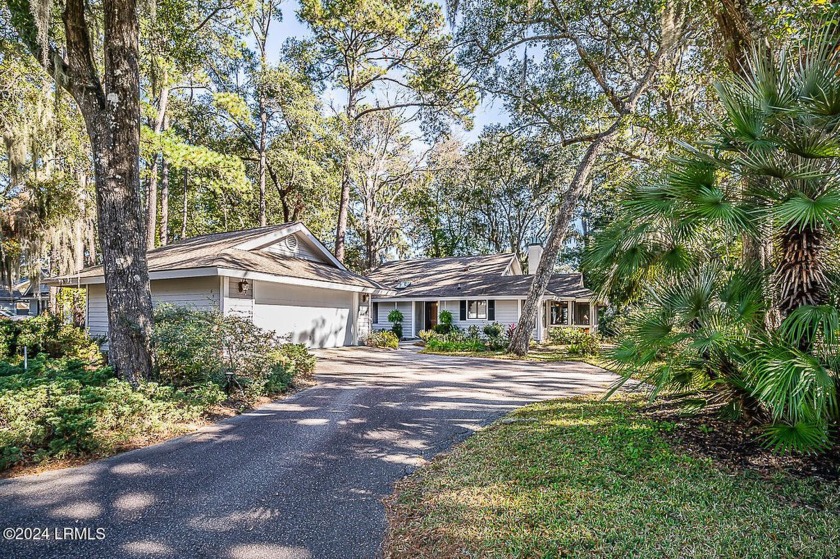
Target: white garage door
312 316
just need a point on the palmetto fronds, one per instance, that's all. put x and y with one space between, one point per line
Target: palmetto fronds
771 178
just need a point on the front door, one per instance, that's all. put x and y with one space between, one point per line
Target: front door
431 314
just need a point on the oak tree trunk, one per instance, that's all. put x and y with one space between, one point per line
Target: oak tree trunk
111 111
527 320
738 29
114 129
262 165
672 27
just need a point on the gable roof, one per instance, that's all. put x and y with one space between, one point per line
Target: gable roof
239 251
468 276
439 271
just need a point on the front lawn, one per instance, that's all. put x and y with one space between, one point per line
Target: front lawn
581 477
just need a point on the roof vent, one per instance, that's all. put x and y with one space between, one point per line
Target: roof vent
291 243
403 284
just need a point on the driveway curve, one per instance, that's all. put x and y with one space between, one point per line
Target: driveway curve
302 477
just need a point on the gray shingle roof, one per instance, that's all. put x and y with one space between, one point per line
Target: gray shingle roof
470 276
217 250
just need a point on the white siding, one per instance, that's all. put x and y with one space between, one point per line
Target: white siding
507 313
385 307
97 311
364 324
198 293
309 315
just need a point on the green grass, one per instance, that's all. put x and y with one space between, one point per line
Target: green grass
585 478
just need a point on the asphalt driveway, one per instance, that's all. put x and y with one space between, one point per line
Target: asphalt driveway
302 477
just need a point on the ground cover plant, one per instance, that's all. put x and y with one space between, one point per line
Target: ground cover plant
383 339
587 478
64 404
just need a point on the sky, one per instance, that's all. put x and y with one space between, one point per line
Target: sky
489 111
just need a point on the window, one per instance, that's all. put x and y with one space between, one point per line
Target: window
582 314
559 313
376 313
477 310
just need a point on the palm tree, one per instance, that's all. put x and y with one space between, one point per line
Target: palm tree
732 259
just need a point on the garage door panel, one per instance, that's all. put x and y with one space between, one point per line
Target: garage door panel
312 316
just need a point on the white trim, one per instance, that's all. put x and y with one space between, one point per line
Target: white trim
223 293
69 281
270 238
288 280
486 309
514 268
228 272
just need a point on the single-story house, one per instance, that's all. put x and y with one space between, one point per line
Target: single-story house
281 277
284 279
478 290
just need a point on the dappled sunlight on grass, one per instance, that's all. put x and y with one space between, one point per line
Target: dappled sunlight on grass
583 477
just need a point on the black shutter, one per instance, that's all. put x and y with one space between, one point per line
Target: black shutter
491 309
463 310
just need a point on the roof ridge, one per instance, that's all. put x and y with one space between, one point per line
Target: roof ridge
228 234
427 258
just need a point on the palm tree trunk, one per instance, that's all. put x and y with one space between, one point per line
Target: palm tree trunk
800 275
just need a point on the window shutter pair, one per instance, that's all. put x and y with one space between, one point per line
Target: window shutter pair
463 310
491 310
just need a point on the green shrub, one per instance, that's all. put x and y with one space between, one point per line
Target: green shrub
188 347
565 335
473 332
587 345
382 338
578 340
61 408
64 407
444 325
194 347
497 343
49 334
493 330
296 358
396 317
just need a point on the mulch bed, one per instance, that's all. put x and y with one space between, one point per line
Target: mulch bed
735 444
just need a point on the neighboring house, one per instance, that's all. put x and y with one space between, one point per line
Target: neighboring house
281 277
25 298
478 290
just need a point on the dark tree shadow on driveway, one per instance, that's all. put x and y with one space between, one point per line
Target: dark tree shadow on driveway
302 477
